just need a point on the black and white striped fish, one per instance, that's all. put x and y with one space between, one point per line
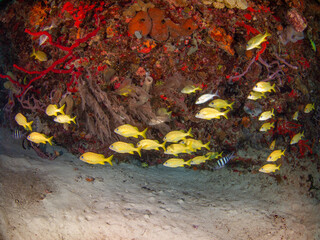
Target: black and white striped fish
17 134
223 161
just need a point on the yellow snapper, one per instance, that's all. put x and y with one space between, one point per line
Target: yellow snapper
266 126
309 107
195 144
123 147
257 40
220 103
272 145
39 138
256 95
22 121
163 112
264 87
175 149
206 97
198 160
64 119
296 138
295 116
41 56
210 113
128 130
53 110
275 155
213 155
125 90
176 162
95 158
176 136
190 89
266 115
149 144
268 168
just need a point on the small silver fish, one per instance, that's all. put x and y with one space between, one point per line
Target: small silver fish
206 97
223 161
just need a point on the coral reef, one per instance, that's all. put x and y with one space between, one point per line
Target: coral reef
298 22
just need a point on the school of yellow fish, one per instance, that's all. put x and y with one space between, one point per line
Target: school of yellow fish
258 92
181 141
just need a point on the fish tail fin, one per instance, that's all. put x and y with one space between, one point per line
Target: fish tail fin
278 167
272 112
74 119
207 145
189 133
220 155
225 113
273 87
267 33
138 150
143 133
49 140
188 162
163 145
61 109
216 93
283 152
29 126
230 105
108 160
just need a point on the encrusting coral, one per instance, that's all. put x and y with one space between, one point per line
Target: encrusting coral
141 22
158 26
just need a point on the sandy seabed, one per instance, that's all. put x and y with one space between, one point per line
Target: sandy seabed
42 199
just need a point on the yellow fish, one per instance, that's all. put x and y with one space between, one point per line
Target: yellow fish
272 145
296 138
176 162
309 107
175 149
195 144
22 121
39 138
95 158
176 136
275 155
64 119
266 126
213 155
128 130
220 103
198 160
149 144
41 56
53 110
190 89
125 90
295 116
264 87
256 95
266 115
210 113
257 40
268 168
123 147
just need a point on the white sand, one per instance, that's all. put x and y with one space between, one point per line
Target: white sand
130 202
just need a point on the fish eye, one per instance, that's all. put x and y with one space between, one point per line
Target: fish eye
165 138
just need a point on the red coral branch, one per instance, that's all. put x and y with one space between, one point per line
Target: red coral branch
303 147
57 62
